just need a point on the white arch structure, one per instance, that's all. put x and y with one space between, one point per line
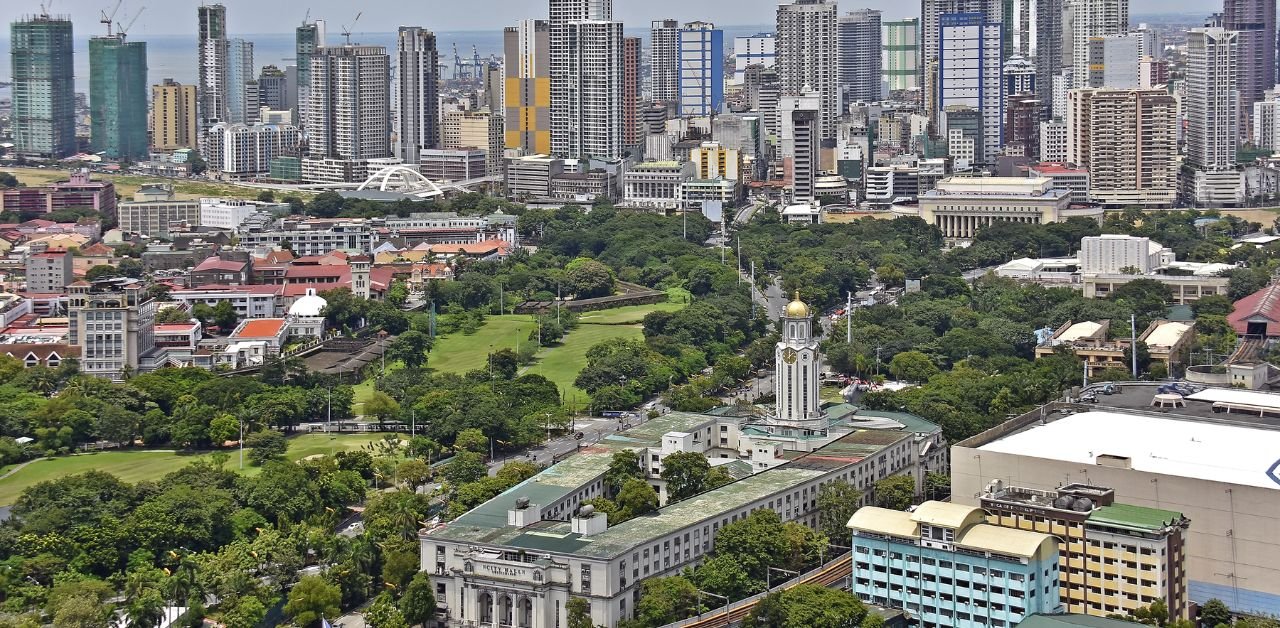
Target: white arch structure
403 179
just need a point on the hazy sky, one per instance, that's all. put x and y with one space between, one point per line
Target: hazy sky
276 16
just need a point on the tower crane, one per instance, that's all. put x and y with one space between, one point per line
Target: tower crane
346 30
109 19
123 31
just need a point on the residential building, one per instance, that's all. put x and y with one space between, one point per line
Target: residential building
1022 126
664 60
1152 72
632 87
970 75
44 99
255 301
307 39
474 129
111 321
586 79
1115 253
1053 141
1019 76
174 120
587 90
656 185
230 214
527 116
418 110
1154 458
888 185
960 206
1128 141
349 113
241 83
860 48
713 160
1103 546
1255 23
1266 121
1114 61
240 151
808 57
313 238
753 50
901 57
118 97
585 186
946 566
212 64
156 218
1089 19
275 91
49 272
700 75
1213 117
529 177
804 123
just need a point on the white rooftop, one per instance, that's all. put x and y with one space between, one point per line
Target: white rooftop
1080 330
1235 395
1167 334
1154 444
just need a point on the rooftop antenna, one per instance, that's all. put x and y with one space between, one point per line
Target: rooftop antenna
346 30
108 19
123 31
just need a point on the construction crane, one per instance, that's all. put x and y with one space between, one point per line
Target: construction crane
306 17
45 7
109 19
123 31
346 30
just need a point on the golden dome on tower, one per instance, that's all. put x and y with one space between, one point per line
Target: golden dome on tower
797 308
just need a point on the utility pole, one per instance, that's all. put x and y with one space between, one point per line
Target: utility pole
1133 343
848 318
739 259
753 289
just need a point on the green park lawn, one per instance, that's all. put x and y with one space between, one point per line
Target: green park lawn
629 315
460 353
562 363
135 466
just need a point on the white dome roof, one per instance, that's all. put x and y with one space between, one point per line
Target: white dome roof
309 304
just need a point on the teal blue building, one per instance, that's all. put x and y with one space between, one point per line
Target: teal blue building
947 568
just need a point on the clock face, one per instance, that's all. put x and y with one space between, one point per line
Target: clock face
789 356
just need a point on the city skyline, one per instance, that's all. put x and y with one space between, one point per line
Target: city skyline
244 18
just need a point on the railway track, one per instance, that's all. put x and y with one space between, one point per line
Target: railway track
833 573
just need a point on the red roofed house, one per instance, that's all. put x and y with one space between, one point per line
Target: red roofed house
1258 315
255 341
41 354
489 249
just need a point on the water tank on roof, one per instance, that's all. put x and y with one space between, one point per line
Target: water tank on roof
1063 503
522 502
587 511
1083 504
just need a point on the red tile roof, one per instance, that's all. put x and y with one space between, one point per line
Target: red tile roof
311 272
97 248
260 328
253 289
173 328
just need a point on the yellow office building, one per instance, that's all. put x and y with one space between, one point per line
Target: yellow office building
528 87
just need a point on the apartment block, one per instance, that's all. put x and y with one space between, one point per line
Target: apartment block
1128 140
49 272
527 92
174 122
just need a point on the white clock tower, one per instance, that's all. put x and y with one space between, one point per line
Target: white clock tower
798 368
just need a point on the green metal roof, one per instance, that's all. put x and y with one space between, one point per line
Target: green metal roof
1135 517
912 422
1062 621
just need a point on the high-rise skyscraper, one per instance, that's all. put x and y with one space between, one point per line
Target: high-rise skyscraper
971 75
901 57
1089 19
118 97
631 89
1128 140
931 12
1114 61
241 83
860 63
419 106
174 119
700 89
586 79
1255 20
44 99
307 38
350 103
1213 98
274 90
808 56
212 66
664 60
527 48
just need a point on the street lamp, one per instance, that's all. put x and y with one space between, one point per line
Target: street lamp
702 593
768 581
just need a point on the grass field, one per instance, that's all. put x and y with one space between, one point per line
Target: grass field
134 466
127 184
629 315
561 364
459 353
